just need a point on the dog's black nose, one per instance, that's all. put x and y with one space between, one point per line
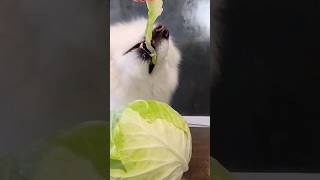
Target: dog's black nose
161 31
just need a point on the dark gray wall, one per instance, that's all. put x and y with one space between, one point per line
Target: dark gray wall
189 24
52 67
266 106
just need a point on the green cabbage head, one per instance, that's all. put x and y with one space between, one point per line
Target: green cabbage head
149 141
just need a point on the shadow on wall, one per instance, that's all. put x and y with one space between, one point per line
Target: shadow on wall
52 59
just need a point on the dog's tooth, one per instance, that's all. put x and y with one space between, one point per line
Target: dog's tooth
141 46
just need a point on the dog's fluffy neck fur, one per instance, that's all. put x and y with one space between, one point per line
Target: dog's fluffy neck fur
130 79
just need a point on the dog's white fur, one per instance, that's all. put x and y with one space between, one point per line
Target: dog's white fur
129 75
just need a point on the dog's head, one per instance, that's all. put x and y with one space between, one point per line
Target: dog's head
128 49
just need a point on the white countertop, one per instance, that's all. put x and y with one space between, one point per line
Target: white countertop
198 121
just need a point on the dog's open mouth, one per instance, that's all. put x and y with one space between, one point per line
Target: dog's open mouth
159 33
144 50
141 45
146 55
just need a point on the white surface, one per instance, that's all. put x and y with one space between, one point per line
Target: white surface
198 121
276 176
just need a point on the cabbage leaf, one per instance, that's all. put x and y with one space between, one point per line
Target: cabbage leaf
154 11
149 140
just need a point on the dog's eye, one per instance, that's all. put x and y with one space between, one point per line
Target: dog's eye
134 47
